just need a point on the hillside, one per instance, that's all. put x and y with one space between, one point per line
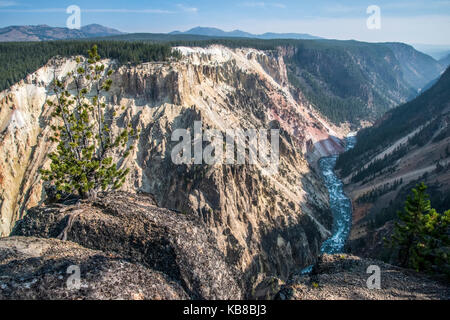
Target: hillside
350 83
46 33
445 62
418 68
411 144
263 223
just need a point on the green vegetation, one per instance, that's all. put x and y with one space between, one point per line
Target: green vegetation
439 199
341 89
18 59
347 81
374 194
399 123
421 236
377 167
83 162
336 109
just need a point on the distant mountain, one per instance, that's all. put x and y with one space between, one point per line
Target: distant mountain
214 32
436 51
418 68
445 62
351 81
96 30
46 33
412 117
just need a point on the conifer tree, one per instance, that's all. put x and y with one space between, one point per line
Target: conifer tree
422 235
88 158
436 242
407 234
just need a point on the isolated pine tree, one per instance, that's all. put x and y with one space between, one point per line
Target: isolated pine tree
436 255
83 163
421 236
408 231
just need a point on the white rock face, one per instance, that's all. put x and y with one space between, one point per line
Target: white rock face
225 89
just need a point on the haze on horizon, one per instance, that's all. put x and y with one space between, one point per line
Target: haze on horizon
414 22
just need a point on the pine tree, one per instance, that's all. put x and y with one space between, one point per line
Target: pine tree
407 233
422 234
83 162
437 242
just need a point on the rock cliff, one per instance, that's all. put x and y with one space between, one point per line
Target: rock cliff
263 224
345 277
178 248
37 269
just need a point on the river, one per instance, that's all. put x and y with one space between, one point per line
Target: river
340 204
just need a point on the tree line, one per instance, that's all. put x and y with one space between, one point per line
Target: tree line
18 59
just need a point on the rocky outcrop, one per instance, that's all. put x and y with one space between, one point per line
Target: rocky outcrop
345 277
174 247
263 224
40 269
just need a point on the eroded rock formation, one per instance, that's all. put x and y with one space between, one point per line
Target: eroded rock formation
263 224
345 277
131 228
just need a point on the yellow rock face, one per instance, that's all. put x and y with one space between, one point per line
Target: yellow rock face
253 215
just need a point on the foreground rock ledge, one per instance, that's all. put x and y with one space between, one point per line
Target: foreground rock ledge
344 277
32 268
176 248
127 248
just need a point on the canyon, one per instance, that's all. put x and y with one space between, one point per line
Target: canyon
262 223
410 145
255 226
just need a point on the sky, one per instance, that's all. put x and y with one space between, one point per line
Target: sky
409 21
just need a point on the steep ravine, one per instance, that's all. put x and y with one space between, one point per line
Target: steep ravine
340 204
208 232
410 145
263 225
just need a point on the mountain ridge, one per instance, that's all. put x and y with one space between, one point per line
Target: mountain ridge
45 32
349 82
445 62
216 32
409 145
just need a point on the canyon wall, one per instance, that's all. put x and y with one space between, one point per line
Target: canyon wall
263 224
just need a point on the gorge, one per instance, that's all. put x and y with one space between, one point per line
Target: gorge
255 226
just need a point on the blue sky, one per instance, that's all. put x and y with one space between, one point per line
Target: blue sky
413 21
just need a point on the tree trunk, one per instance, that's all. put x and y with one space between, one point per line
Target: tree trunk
90 195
